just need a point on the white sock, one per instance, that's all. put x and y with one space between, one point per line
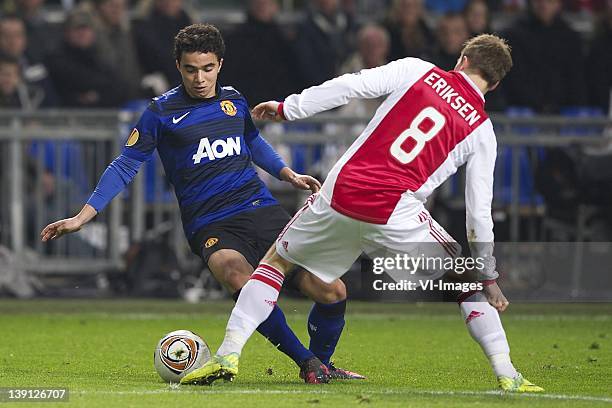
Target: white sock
255 303
484 325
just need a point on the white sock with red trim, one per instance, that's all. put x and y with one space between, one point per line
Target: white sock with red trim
255 303
483 323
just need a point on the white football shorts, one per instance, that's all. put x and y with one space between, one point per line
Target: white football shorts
326 242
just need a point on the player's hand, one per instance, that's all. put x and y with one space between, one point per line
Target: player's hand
301 181
305 182
495 297
267 111
59 228
68 225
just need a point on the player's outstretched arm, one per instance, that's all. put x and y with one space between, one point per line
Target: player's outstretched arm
368 83
68 225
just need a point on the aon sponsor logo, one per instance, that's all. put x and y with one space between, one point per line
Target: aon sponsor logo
217 150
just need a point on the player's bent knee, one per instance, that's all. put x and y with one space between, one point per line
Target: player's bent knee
322 292
337 291
230 269
234 278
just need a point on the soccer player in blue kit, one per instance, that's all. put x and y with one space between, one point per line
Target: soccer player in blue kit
207 142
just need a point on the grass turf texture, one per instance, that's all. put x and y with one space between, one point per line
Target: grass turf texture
413 354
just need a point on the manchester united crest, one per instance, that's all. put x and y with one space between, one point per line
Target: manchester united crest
228 108
210 242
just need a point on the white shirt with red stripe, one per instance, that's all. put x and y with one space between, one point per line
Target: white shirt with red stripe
431 123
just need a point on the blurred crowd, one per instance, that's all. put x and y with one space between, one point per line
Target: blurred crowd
106 53
116 54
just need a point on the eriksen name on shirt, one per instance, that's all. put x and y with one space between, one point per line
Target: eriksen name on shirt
452 97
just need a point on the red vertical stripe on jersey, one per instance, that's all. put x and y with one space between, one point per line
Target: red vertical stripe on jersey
371 182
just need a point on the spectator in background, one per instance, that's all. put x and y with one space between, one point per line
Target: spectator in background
452 34
13 39
548 71
13 43
13 92
81 78
373 47
599 64
259 59
114 41
43 37
155 39
476 14
323 42
409 34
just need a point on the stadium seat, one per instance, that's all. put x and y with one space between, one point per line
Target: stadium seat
71 170
581 112
503 170
303 156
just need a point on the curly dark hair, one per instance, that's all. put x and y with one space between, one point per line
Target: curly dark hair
202 38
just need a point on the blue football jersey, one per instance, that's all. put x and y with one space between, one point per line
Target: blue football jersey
204 147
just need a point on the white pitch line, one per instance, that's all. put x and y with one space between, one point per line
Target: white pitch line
357 316
363 392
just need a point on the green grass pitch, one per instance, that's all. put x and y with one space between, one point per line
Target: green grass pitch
414 355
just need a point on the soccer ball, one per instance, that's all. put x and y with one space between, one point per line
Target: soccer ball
178 353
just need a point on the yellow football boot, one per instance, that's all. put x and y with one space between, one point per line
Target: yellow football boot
517 384
219 367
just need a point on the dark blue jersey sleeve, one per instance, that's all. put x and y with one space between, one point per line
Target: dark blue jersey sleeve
118 174
263 154
138 148
144 137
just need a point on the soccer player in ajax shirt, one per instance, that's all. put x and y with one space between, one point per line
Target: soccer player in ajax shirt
431 123
207 143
